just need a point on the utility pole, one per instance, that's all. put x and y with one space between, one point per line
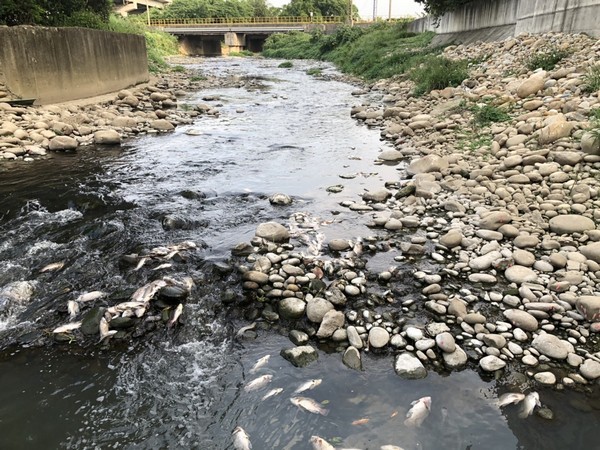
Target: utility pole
350 18
148 13
390 10
374 10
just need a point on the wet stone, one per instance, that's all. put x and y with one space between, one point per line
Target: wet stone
491 363
300 356
409 367
91 321
352 359
298 337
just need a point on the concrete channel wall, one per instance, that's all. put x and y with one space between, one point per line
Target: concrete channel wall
489 20
61 64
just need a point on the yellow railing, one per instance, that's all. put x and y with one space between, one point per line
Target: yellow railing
280 20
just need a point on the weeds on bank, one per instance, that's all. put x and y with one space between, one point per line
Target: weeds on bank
471 141
198 78
178 69
436 72
546 60
486 114
314 71
242 53
591 80
286 65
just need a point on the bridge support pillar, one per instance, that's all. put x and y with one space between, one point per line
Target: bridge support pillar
234 42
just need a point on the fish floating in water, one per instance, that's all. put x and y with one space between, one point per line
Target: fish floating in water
176 315
511 397
419 412
104 330
310 405
311 384
73 309
318 443
260 363
362 421
272 393
146 292
90 296
53 267
67 328
258 383
531 401
241 440
242 330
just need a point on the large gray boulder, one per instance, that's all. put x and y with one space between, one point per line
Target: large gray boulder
409 366
107 137
300 356
63 143
571 223
273 232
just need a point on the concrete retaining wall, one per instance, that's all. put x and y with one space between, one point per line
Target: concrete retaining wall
496 20
60 64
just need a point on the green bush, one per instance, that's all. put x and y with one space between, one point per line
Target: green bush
546 60
286 65
591 80
294 45
595 115
178 69
314 71
486 114
241 53
86 19
436 72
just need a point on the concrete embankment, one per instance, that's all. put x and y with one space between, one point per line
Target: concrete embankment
498 20
61 64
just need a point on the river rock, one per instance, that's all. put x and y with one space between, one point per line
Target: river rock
339 245
521 319
280 199
91 321
300 356
494 340
408 366
491 363
378 337
352 359
273 231
530 86
331 322
520 274
107 137
590 369
292 308
429 163
590 143
556 130
391 155
589 307
457 308
591 251
256 277
298 337
445 341
455 360
379 196
550 345
495 220
547 378
63 143
317 308
451 239
162 125
571 223
354 337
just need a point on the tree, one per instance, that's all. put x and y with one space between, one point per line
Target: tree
438 8
317 7
20 12
50 12
181 9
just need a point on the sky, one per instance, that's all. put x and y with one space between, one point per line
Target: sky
400 8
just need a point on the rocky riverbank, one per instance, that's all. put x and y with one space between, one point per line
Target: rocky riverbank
30 132
498 223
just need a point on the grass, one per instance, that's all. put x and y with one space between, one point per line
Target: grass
471 141
198 78
546 60
314 71
591 80
242 53
286 65
436 72
595 115
178 69
486 114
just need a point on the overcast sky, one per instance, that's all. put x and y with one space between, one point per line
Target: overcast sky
365 7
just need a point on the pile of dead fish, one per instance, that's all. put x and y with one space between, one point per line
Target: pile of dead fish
107 321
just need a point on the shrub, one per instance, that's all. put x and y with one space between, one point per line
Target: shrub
591 80
286 65
178 68
546 60
315 71
486 114
436 72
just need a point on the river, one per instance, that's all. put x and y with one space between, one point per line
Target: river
183 388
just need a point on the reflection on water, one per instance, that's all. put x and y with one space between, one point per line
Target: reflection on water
183 388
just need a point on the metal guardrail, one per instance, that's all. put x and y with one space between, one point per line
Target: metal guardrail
211 21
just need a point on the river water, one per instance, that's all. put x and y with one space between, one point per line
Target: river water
183 388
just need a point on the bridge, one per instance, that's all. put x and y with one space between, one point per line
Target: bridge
126 7
223 35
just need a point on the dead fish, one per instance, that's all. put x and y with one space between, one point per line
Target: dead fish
242 330
125 306
176 315
531 401
73 309
258 383
319 443
104 331
511 397
67 327
241 440
52 267
146 292
272 393
163 266
310 405
362 421
390 447
308 385
90 296
260 363
141 263
419 412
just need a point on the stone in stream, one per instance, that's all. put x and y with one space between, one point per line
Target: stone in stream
352 359
550 345
491 363
331 322
521 319
591 251
317 308
590 369
378 337
298 337
520 274
273 232
107 137
409 367
455 360
300 356
63 143
445 341
571 223
280 199
292 308
91 321
162 125
589 307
